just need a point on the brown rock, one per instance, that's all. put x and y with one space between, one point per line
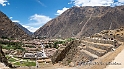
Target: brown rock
71 64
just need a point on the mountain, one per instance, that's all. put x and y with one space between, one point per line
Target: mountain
23 28
11 30
83 21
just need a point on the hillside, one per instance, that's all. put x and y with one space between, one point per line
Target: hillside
9 29
83 21
23 28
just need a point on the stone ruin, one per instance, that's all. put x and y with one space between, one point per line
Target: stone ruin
85 50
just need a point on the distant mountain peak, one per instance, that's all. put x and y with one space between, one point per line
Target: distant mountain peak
23 28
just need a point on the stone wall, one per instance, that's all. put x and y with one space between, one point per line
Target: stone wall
96 52
72 49
119 38
96 40
106 47
67 53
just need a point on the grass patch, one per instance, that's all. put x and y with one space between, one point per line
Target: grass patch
12 60
11 45
24 63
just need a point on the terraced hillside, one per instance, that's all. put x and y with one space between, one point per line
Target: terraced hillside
84 50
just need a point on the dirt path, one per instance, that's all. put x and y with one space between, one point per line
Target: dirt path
119 59
79 34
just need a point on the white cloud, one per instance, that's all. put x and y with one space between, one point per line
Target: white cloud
16 21
61 11
39 20
97 2
8 3
41 3
32 29
3 2
10 17
36 21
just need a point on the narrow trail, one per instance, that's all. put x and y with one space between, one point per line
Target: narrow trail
110 26
79 34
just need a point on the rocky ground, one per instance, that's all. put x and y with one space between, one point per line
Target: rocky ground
2 66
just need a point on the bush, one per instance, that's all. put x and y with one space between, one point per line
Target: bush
11 60
56 43
11 45
70 39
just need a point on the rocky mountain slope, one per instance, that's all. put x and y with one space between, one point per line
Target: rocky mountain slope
9 29
83 21
23 28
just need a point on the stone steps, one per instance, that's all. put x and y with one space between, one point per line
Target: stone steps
106 47
92 49
96 51
88 54
98 40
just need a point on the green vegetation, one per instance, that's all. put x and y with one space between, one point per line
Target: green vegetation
11 45
12 60
48 46
62 42
70 39
56 43
17 62
5 37
25 63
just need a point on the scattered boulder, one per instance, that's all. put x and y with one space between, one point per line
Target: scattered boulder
71 64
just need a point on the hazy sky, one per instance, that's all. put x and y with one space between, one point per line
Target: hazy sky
33 14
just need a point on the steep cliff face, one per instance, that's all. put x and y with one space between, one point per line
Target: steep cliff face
10 29
83 21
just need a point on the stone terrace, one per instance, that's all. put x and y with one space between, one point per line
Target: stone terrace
84 50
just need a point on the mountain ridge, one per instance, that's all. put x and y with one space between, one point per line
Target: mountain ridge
23 28
70 23
11 30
